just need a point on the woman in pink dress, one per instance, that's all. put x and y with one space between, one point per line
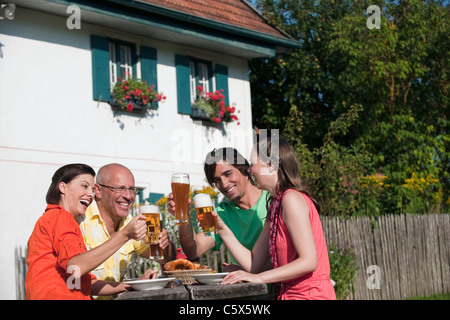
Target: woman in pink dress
292 236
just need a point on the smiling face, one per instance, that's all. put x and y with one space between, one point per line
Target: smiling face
230 181
77 194
116 205
264 175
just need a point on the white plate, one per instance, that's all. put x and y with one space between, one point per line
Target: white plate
210 278
149 284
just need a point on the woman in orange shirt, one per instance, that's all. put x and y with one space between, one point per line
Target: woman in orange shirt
58 263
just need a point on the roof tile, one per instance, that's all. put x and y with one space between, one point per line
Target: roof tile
237 13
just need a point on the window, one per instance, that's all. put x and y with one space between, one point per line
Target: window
200 75
113 59
192 72
120 62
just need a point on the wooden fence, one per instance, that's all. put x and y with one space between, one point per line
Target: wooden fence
399 256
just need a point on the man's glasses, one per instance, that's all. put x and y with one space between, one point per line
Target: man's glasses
121 190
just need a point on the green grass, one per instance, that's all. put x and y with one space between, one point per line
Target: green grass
441 296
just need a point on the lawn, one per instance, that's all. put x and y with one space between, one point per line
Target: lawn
441 296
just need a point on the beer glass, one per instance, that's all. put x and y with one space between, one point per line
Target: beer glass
180 190
153 221
204 206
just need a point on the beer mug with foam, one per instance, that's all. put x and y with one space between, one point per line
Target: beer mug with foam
152 216
204 206
180 190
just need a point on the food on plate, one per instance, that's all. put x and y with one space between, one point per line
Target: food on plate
183 264
199 266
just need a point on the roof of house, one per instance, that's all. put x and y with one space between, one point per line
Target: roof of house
238 13
228 26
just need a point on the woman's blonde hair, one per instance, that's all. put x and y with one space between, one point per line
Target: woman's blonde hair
279 153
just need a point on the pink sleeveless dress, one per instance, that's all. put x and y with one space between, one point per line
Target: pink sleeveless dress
312 286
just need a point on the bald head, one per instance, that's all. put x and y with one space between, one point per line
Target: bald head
107 173
114 205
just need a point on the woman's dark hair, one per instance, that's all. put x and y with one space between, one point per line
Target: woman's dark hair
65 174
281 154
230 156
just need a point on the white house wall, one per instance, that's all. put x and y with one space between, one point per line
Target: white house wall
48 118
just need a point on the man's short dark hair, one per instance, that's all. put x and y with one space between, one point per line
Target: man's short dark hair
230 156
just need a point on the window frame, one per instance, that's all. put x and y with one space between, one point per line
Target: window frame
187 82
130 65
144 65
201 74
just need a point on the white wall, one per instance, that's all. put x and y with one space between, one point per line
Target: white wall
48 119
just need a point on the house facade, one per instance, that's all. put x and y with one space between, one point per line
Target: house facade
59 61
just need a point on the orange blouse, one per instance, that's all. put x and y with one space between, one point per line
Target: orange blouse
56 238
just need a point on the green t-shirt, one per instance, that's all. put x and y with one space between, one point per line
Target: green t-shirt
245 224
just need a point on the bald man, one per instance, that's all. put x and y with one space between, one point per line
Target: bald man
115 193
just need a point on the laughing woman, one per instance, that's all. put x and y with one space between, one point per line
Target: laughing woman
58 264
292 236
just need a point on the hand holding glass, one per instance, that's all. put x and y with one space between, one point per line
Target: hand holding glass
204 206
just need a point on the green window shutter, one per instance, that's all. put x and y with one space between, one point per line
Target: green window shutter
148 67
154 197
100 68
222 81
183 72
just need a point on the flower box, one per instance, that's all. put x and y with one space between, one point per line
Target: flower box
199 114
210 107
133 105
135 95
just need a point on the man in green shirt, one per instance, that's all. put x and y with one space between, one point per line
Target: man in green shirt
244 210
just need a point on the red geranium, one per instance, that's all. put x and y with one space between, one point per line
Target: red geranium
214 106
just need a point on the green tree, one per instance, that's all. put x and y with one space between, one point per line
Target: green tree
398 74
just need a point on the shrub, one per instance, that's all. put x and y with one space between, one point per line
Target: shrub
343 268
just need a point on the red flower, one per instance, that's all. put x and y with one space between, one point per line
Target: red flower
199 88
218 120
130 107
222 104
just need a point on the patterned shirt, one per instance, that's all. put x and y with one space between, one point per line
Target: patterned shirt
95 233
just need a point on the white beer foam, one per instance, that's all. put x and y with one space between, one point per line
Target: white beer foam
202 200
148 208
180 178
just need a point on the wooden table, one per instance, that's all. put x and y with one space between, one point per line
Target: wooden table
245 291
